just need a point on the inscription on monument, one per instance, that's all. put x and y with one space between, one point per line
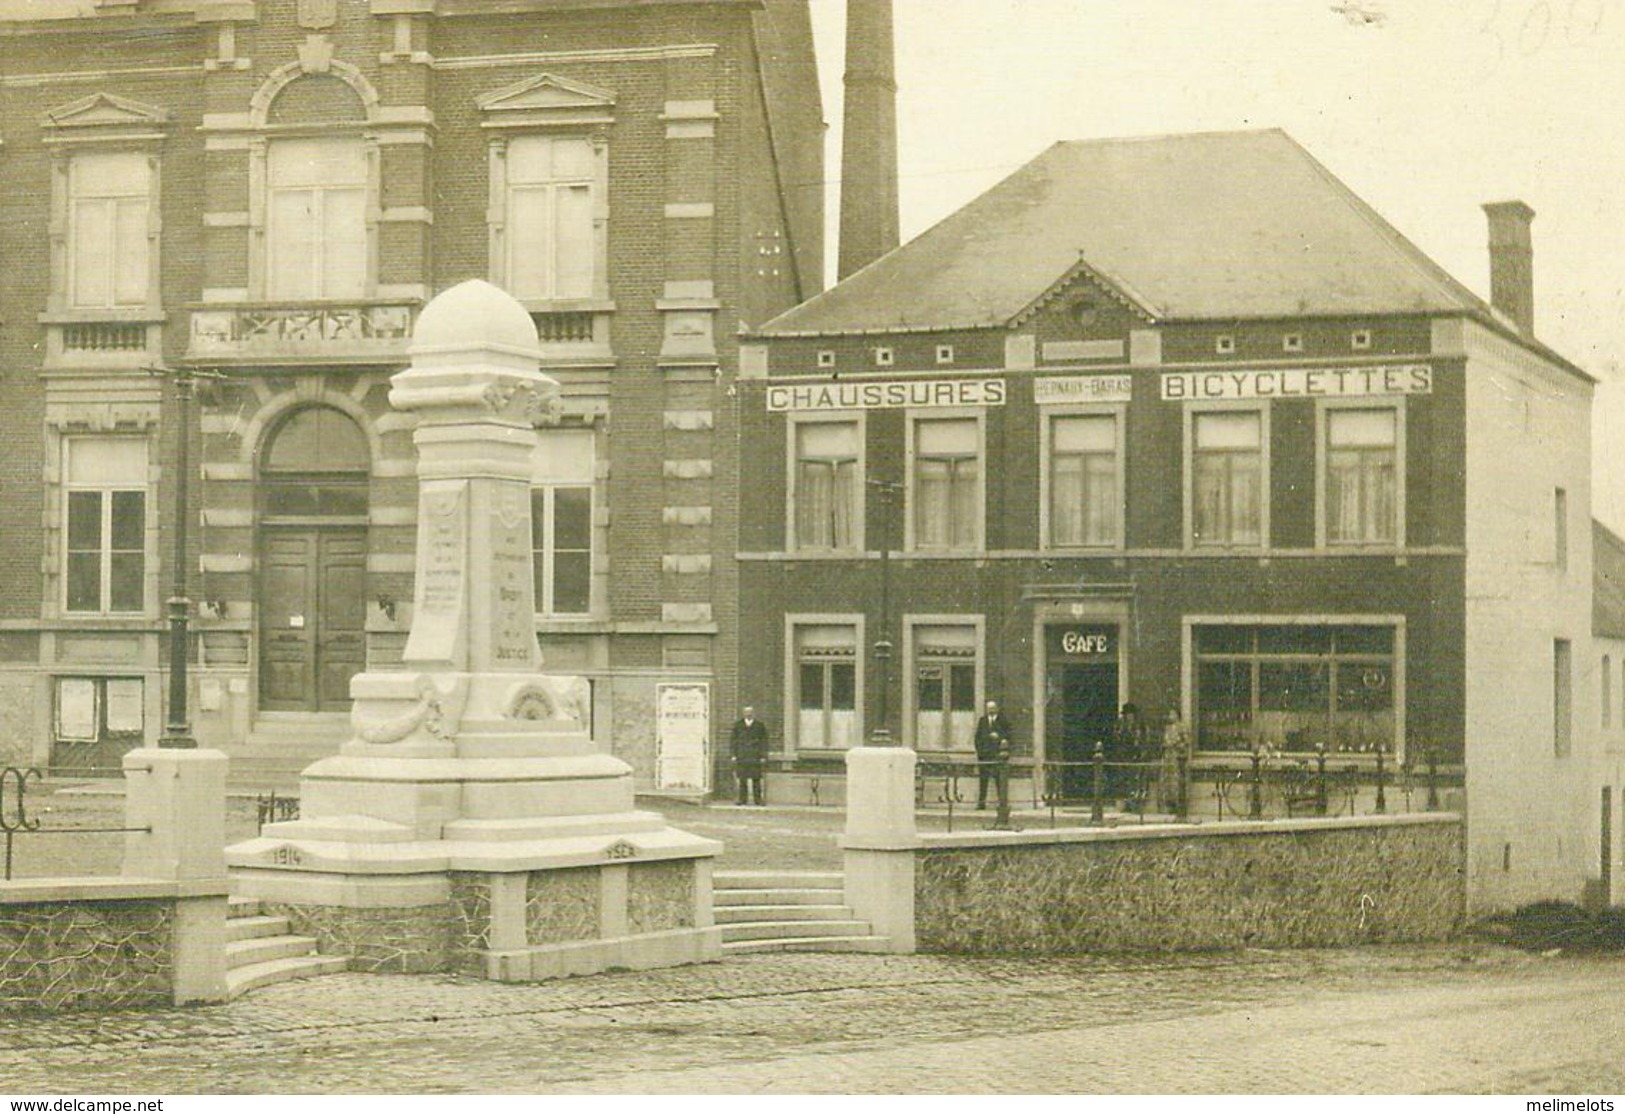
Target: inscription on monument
513 636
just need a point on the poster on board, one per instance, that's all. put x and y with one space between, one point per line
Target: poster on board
682 737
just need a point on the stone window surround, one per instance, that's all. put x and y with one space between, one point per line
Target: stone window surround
911 419
96 123
1322 408
1047 416
550 105
64 422
860 517
793 621
912 624
1188 472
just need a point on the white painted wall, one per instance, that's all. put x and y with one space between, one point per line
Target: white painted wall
1528 434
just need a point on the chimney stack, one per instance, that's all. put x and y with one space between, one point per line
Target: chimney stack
1512 262
869 137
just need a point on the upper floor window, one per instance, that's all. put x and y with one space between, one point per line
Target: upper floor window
826 484
550 217
561 523
1562 698
946 487
108 216
549 193
105 508
1560 529
1362 477
1227 478
1083 480
316 219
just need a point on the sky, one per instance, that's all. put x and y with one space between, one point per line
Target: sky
1426 108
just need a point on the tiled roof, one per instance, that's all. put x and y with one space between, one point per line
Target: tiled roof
1202 226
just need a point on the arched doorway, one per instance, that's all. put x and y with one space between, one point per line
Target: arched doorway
313 561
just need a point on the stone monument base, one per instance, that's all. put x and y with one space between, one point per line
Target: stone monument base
546 870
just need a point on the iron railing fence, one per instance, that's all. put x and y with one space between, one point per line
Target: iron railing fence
1262 785
15 819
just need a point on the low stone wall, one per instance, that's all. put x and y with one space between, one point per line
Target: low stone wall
1297 883
83 944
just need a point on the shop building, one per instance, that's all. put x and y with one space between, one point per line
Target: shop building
267 192
1182 423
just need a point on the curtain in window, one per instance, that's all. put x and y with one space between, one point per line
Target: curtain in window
1083 480
1226 487
1361 476
946 483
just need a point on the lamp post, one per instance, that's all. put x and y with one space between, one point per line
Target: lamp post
177 729
887 490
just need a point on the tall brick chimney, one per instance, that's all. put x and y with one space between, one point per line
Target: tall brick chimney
1512 262
869 137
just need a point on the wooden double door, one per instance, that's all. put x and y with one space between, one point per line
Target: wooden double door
313 612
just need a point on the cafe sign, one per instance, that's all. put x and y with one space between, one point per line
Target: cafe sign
1082 643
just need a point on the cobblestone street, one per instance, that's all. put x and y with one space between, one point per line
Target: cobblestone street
1452 1019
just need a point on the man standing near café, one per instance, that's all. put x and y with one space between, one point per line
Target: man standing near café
748 744
992 737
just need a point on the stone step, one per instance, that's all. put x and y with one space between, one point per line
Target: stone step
255 928
240 980
748 914
777 930
777 880
723 898
242 953
809 944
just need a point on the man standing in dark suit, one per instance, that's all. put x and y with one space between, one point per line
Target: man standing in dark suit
748 743
992 737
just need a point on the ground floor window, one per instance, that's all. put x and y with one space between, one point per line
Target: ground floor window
1295 687
826 678
945 687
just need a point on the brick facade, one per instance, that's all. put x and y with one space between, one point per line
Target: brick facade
705 123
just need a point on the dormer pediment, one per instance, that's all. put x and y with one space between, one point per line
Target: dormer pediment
547 100
102 115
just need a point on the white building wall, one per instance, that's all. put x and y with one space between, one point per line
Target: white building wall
1608 772
1528 435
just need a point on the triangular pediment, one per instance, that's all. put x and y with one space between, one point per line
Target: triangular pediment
103 110
1083 277
549 94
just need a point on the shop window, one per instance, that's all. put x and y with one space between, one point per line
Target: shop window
945 688
826 687
1084 499
551 252
108 216
946 492
105 508
825 495
316 219
1227 478
1362 477
561 523
1295 687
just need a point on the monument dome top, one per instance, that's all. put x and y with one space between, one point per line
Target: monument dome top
475 315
